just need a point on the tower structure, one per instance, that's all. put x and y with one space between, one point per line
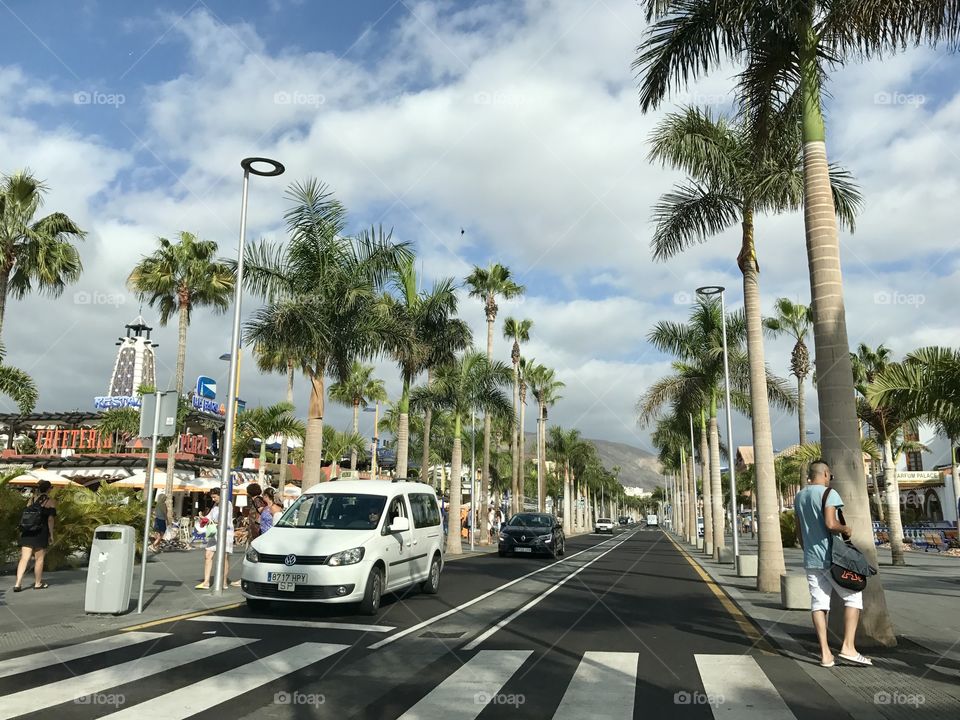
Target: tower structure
135 366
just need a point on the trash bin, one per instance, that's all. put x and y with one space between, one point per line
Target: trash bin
110 574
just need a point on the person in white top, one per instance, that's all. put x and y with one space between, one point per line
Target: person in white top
211 542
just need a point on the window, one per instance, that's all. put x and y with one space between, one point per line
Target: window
398 509
334 512
425 512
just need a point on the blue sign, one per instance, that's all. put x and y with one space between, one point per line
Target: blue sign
115 401
206 387
211 407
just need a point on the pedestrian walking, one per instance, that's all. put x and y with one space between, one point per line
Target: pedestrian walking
159 522
36 534
212 518
255 506
817 523
271 511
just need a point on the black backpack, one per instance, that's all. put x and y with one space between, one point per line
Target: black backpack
31 520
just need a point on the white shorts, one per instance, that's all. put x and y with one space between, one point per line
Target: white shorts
822 584
211 545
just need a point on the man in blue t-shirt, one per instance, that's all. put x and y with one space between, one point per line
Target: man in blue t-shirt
816 526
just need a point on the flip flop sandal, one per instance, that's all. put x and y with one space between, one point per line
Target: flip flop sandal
830 664
857 659
201 586
41 586
17 588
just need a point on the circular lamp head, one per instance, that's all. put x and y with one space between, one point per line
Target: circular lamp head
710 290
275 168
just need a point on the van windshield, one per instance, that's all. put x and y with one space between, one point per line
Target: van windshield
334 511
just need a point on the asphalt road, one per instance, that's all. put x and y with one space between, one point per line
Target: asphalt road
623 627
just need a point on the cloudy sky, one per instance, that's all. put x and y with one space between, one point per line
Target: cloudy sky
516 121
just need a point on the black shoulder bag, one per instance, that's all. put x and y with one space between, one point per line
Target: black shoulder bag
848 566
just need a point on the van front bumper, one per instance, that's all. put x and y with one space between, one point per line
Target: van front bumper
343 584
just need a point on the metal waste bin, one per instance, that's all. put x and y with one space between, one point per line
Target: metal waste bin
110 574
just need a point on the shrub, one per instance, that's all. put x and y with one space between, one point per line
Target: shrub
788 529
12 503
80 511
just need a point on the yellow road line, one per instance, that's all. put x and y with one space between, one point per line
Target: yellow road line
184 616
746 625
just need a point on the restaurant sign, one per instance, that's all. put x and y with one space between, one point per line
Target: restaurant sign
92 439
116 401
210 407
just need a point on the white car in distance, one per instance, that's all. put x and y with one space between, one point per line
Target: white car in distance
603 525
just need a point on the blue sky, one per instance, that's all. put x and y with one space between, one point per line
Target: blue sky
517 121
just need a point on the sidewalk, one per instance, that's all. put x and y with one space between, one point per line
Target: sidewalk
919 678
55 616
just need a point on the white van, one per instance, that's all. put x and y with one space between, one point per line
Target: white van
348 541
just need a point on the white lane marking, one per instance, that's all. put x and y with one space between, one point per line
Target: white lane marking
292 623
736 687
466 693
464 606
553 588
203 695
93 683
602 688
47 658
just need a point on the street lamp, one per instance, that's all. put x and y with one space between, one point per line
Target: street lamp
274 168
710 291
376 439
474 510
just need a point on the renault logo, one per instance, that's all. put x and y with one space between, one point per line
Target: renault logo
290 560
523 537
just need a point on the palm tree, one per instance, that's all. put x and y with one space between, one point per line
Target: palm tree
518 331
264 422
927 385
337 444
358 390
18 385
794 320
328 303
672 440
488 284
472 383
546 390
178 278
785 52
34 254
425 318
121 424
730 179
281 360
524 367
697 384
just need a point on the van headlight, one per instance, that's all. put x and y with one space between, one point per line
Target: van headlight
252 556
546 538
346 557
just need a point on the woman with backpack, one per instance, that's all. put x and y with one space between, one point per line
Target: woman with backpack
36 534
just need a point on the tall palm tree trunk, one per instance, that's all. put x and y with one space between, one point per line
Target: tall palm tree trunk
425 457
770 564
5 271
403 431
356 430
835 392
183 323
482 537
691 507
953 474
567 501
284 450
716 491
515 472
262 463
521 459
706 487
454 545
313 442
801 410
894 522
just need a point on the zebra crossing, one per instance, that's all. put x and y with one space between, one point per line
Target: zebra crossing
88 679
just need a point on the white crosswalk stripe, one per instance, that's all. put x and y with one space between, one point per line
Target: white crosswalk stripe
82 686
737 688
47 658
611 676
306 624
212 691
465 694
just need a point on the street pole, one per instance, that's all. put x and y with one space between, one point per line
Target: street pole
226 509
693 473
376 443
148 490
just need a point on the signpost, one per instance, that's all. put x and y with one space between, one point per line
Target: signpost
158 418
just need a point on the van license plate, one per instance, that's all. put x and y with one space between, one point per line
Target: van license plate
520 549
287 581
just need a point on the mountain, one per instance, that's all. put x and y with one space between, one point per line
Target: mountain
638 468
